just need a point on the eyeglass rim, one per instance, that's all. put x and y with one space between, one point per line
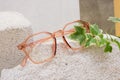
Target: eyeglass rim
85 24
52 36
54 46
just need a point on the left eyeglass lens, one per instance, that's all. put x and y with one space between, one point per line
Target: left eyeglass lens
42 49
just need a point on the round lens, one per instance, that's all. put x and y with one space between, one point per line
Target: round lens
43 47
69 30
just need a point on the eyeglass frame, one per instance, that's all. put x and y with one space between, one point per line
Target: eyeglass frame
58 33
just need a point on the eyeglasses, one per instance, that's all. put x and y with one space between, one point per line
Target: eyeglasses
41 47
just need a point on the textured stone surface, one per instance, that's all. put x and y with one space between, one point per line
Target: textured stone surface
87 64
14 28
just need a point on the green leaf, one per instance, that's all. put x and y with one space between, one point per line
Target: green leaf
81 39
108 47
90 42
111 38
95 37
95 30
74 36
102 42
79 29
101 36
78 35
118 43
114 19
93 40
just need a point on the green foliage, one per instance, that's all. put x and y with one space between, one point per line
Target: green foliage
79 35
95 30
114 19
95 37
108 47
117 42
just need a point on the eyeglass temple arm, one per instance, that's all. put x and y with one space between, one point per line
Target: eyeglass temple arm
85 24
47 38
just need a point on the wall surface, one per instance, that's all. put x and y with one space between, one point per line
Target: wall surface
98 11
45 15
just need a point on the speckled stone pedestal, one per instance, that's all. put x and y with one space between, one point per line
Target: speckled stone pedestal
89 64
14 28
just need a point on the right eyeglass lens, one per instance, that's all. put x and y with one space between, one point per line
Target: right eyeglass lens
67 31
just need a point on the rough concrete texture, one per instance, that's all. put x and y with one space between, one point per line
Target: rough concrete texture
10 56
14 28
98 11
87 64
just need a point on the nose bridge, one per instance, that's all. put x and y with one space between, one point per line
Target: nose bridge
58 33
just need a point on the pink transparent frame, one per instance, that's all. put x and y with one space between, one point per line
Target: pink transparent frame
59 33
